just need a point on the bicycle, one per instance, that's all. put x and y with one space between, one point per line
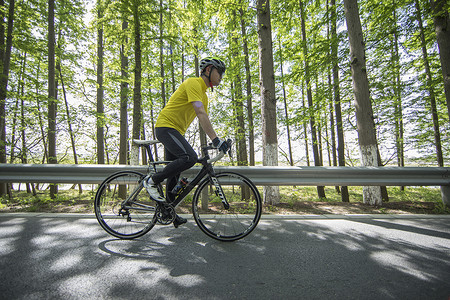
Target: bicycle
226 206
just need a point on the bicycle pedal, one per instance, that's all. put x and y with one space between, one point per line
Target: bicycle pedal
179 221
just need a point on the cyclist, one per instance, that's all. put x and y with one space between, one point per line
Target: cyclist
188 101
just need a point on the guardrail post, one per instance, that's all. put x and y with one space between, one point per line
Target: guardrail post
445 193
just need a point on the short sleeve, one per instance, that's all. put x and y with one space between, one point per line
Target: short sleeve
194 91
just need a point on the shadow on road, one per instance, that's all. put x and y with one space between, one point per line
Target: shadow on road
73 258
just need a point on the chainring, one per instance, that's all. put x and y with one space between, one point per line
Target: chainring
165 214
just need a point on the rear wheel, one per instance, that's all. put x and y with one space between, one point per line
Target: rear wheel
124 219
227 222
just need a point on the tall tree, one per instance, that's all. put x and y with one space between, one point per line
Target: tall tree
52 101
398 106
440 10
5 58
39 112
286 114
268 97
161 52
364 113
100 93
123 151
248 85
238 98
123 136
337 96
137 98
305 127
430 87
312 121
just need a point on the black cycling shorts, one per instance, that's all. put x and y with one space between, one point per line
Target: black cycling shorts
179 151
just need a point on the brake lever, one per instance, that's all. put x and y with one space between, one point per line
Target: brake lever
230 142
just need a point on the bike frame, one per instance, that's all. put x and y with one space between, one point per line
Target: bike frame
206 170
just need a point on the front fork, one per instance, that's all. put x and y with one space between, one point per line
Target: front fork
219 192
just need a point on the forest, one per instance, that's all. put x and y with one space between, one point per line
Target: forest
308 82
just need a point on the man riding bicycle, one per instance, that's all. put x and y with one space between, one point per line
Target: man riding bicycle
188 101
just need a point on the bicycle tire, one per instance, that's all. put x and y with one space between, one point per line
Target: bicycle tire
135 220
234 223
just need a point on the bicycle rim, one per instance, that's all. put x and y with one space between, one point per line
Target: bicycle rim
134 219
227 224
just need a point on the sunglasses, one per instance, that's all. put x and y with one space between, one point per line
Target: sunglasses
220 70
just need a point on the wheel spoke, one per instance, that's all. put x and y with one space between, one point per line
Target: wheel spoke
124 220
238 218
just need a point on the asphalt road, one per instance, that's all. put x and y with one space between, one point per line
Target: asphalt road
46 256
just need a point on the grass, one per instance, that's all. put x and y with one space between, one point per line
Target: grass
65 201
418 200
416 194
293 200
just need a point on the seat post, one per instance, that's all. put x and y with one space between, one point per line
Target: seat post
149 152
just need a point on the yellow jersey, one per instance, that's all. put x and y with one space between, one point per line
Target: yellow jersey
179 111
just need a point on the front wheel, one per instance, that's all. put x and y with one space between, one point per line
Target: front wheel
123 207
235 218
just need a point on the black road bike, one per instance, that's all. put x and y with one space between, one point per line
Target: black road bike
226 206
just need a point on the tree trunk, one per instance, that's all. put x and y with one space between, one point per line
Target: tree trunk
13 143
440 10
15 121
248 80
123 136
241 147
137 100
337 97
152 118
161 53
69 122
24 151
240 125
286 115
268 97
19 100
100 105
40 119
52 101
202 134
364 114
123 150
3 89
305 128
398 107
174 86
384 192
430 88
312 121
5 58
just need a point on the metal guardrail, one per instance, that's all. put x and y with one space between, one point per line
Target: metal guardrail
262 176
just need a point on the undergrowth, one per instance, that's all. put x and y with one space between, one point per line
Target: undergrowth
72 200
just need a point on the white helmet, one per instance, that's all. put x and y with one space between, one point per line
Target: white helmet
215 61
